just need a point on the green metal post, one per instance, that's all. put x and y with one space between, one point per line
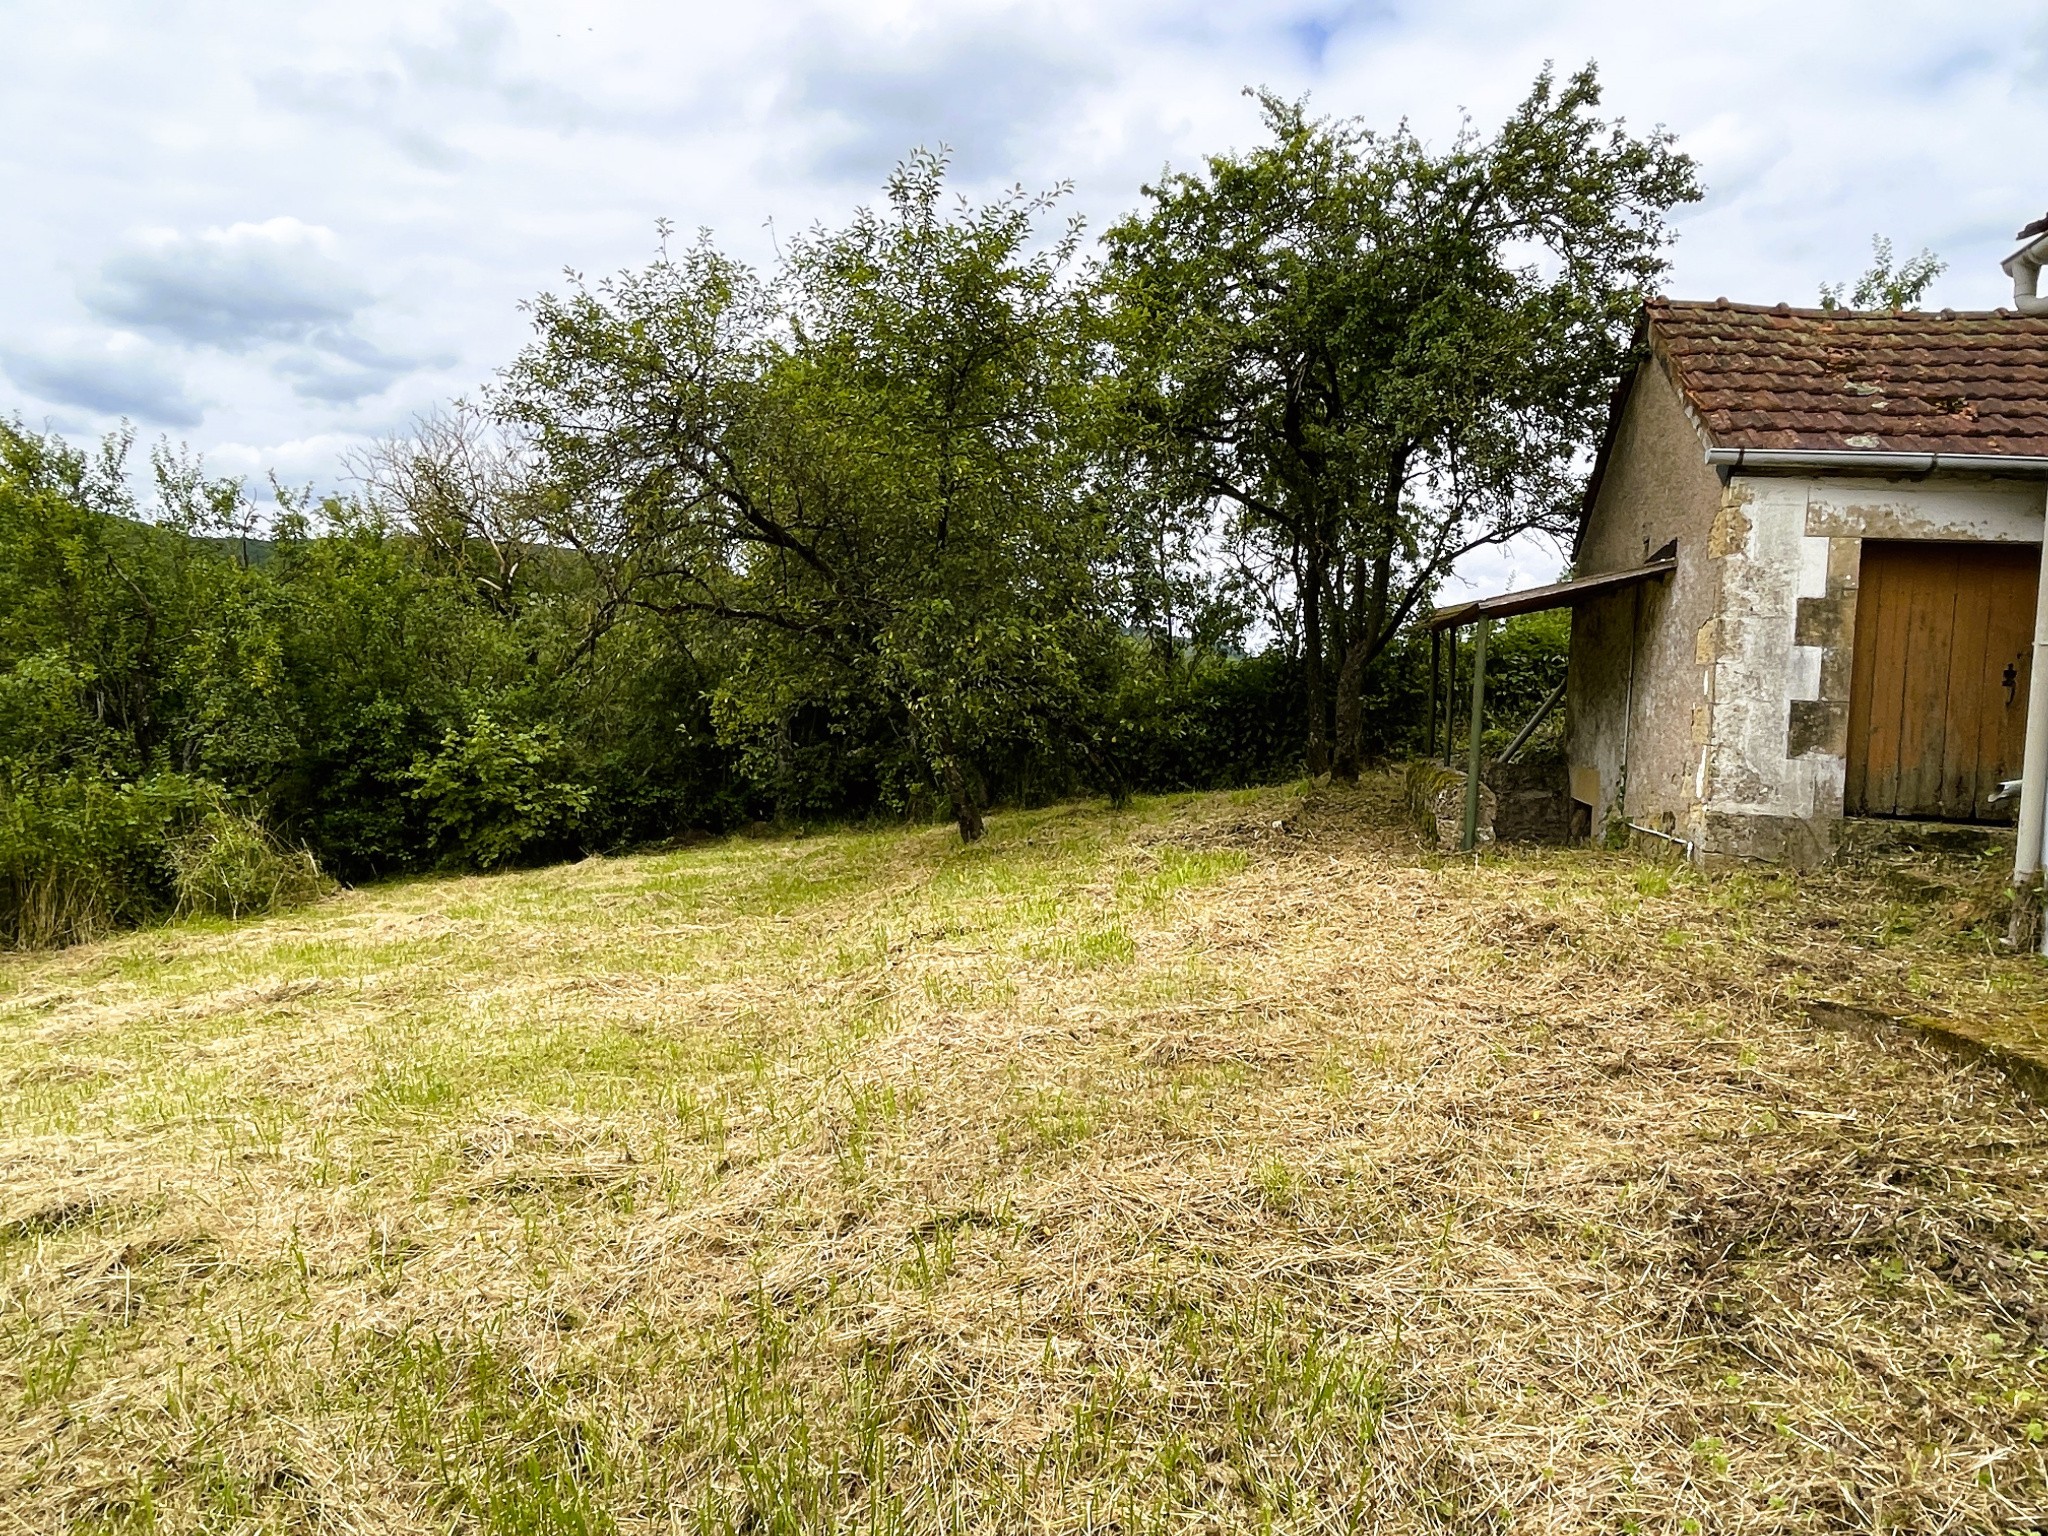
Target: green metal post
1436 672
1450 694
1472 744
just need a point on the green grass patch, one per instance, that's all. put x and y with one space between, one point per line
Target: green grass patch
1153 1171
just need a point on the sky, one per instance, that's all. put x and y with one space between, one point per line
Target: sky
275 233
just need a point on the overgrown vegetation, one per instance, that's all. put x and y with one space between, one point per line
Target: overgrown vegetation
229 866
81 854
1226 1163
935 514
1887 284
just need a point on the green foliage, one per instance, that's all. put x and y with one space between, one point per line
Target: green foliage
859 480
1885 285
383 655
229 866
1356 359
1202 721
81 855
494 795
646 744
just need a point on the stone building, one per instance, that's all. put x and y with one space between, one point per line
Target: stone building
1806 577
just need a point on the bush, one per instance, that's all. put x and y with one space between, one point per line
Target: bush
231 867
496 795
1207 721
83 855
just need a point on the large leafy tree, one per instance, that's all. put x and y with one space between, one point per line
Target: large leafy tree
1370 358
859 477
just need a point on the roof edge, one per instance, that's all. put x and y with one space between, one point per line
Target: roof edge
2035 250
1639 353
1643 352
1555 594
1842 314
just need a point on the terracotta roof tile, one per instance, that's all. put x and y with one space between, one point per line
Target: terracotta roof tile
1776 377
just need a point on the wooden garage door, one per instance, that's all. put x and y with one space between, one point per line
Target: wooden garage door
1938 698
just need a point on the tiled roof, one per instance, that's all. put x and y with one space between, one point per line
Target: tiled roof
1970 382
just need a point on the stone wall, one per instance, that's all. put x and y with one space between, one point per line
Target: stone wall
1782 645
1534 800
1714 705
1636 684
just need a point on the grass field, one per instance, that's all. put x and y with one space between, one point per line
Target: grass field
1226 1164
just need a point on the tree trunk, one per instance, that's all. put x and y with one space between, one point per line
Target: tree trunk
1366 644
1368 637
1350 754
966 799
934 743
1312 657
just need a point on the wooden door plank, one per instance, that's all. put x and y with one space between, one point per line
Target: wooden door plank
1888 725
1891 763
2011 644
1930 642
1887 693
1965 704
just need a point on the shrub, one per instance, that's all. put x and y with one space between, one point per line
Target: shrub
229 866
82 855
1207 722
496 795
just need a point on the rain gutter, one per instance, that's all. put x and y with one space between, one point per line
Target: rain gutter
1870 458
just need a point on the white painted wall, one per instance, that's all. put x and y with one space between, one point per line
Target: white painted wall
1757 670
1998 511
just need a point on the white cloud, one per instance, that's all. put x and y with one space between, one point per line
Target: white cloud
103 376
420 90
296 462
983 88
277 287
230 288
357 198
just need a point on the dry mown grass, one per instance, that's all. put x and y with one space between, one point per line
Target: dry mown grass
1228 1164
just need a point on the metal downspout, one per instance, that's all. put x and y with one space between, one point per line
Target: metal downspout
2027 853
